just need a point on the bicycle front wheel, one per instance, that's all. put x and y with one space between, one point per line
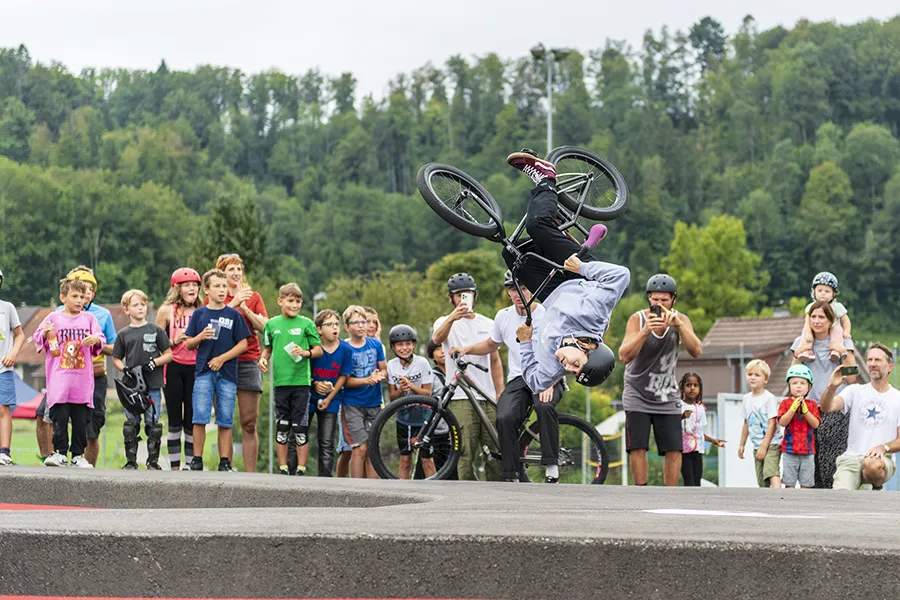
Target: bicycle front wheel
460 200
582 453
397 452
580 172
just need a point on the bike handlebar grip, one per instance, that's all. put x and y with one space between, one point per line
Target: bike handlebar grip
485 369
597 233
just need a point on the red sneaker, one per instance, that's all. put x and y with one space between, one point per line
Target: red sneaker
532 166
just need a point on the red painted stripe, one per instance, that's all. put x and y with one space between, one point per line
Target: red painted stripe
5 506
157 598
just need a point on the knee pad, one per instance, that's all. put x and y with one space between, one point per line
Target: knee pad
154 432
282 431
300 436
131 429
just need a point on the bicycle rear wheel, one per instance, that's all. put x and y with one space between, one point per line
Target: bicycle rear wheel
582 453
579 170
391 438
460 200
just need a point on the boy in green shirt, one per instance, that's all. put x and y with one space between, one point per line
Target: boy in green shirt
289 341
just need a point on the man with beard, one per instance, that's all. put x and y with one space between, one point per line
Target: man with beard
874 429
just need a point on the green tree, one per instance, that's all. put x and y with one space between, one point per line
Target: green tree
826 218
16 126
717 275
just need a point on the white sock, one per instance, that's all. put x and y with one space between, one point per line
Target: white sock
552 471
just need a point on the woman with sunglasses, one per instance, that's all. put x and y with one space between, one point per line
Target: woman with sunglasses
250 304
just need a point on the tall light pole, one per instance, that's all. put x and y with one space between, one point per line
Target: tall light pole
550 56
316 298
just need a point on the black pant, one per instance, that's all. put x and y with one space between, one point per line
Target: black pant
61 414
512 405
692 468
179 395
325 439
547 241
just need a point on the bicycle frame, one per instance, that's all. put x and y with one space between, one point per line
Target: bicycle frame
571 220
469 387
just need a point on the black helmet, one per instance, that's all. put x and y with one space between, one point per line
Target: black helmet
1 278
460 283
599 366
662 283
132 391
508 280
402 333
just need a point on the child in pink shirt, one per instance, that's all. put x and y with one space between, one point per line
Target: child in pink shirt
71 338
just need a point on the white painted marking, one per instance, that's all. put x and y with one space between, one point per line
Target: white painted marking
724 513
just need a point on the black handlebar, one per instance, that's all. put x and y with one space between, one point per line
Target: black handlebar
463 364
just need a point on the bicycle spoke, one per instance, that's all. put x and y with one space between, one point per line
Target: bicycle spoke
575 175
459 198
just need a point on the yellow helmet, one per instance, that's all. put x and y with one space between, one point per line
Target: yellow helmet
82 274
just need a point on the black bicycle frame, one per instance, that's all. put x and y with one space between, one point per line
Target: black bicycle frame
461 381
571 220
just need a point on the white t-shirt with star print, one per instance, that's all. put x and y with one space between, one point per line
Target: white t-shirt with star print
874 417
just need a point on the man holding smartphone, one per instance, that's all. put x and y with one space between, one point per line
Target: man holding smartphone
651 397
461 328
874 423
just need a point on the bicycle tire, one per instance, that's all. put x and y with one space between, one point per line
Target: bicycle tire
454 208
378 439
601 204
598 457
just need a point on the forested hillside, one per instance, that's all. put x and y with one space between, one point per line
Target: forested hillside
791 134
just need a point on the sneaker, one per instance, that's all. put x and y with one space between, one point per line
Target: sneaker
5 460
528 162
225 465
153 466
185 467
81 462
549 479
196 464
56 460
300 473
283 471
130 466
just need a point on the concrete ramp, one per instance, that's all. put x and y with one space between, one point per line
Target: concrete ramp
181 534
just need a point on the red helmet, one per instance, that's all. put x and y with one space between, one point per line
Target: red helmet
185 274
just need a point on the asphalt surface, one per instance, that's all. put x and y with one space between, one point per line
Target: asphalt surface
230 534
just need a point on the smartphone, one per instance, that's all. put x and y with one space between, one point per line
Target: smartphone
466 298
851 370
656 311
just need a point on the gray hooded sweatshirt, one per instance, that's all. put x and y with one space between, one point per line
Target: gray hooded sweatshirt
577 308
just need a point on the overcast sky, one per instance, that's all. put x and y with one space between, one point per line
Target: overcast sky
374 39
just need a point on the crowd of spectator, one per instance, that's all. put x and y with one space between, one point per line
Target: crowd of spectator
212 340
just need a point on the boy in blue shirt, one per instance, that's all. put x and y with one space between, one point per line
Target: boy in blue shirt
329 373
362 394
219 335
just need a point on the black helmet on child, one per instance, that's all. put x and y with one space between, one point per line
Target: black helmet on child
402 333
132 391
460 283
824 278
508 280
599 366
662 283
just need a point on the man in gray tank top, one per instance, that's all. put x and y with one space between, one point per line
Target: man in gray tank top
651 397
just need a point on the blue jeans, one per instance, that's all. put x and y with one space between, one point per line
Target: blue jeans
151 415
8 389
212 386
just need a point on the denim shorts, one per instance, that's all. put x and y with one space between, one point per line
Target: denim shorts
8 389
211 386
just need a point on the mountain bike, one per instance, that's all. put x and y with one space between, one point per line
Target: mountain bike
582 454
